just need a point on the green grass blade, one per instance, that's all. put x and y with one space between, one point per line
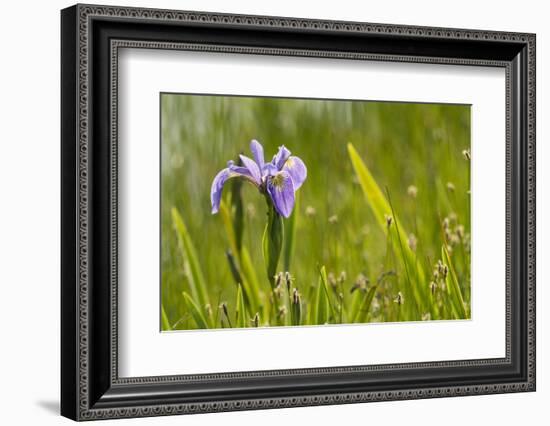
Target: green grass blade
272 243
197 283
380 207
321 309
361 315
355 304
165 323
296 308
372 191
195 312
233 267
240 310
238 210
409 262
249 274
290 233
240 262
225 214
453 285
325 287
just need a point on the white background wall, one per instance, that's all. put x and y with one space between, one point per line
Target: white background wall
29 211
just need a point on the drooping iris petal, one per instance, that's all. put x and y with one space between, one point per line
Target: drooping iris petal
222 177
240 170
280 158
257 152
297 170
281 190
253 168
217 188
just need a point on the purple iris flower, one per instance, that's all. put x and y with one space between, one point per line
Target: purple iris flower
279 179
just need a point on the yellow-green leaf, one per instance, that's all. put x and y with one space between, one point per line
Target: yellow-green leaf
195 312
251 279
196 280
240 310
320 313
453 285
290 231
229 229
363 311
165 323
381 207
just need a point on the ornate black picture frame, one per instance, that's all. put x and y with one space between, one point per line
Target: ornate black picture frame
90 38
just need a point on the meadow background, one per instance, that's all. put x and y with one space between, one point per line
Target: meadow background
382 236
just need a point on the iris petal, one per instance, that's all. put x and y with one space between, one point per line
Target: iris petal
253 168
217 188
241 171
281 190
222 177
297 170
280 158
269 169
257 152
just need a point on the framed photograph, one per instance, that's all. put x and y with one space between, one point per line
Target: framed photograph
263 212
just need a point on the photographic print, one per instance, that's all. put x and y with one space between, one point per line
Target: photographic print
310 212
304 183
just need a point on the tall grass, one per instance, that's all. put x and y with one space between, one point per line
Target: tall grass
380 232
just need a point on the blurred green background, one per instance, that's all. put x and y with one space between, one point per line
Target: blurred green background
402 144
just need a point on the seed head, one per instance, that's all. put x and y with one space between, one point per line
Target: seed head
450 187
426 317
310 211
289 279
256 320
412 242
466 154
223 307
454 239
281 312
467 242
278 291
433 287
442 269
412 191
332 280
360 283
295 297
342 277
399 299
389 220
278 279
333 219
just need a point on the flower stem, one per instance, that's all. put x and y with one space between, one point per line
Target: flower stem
272 243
